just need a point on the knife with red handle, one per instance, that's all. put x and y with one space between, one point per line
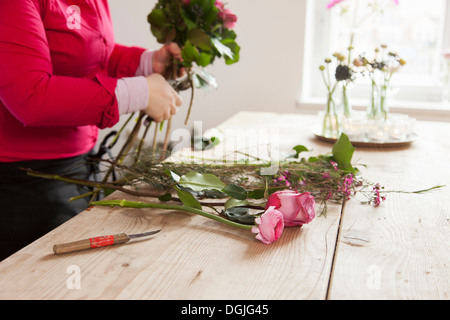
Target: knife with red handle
98 242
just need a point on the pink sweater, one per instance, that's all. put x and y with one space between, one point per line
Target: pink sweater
59 68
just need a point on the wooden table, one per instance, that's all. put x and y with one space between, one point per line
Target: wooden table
397 251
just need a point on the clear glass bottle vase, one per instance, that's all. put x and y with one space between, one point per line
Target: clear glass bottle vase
346 106
378 108
331 126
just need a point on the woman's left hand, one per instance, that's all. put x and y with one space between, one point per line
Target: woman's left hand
163 58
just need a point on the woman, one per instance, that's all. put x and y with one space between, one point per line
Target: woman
62 78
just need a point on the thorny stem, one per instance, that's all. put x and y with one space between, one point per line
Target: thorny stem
167 137
113 186
131 204
125 148
191 102
141 143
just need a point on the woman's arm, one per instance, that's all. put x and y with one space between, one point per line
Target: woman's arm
28 87
125 61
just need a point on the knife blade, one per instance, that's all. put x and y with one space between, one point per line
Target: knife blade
98 242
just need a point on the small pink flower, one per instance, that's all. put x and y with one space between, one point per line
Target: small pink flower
297 208
186 2
229 19
334 164
269 226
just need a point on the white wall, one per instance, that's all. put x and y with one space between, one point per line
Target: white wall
267 78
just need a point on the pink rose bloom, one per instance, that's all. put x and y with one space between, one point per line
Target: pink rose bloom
229 19
269 226
297 208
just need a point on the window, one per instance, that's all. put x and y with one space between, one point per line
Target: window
418 31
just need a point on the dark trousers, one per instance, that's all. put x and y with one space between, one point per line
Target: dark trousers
30 207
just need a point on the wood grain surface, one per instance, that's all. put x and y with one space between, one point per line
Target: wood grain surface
397 251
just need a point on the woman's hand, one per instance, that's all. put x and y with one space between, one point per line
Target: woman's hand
162 58
163 100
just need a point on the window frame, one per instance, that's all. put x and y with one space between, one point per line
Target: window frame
416 100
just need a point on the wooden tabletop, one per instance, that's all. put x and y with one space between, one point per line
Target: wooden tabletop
399 250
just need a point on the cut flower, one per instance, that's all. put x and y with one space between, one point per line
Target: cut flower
269 226
297 208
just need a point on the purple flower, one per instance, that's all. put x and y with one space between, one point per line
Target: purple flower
345 188
378 198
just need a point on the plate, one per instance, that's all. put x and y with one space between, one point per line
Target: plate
366 142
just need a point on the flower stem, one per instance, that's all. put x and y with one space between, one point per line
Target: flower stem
191 101
143 205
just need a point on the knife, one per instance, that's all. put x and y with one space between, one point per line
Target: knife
97 242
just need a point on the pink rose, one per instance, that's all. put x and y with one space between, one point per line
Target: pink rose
269 226
229 19
297 208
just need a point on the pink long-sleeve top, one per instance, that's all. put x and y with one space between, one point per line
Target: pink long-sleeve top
59 67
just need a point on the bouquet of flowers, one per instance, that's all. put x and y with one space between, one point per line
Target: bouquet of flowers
203 29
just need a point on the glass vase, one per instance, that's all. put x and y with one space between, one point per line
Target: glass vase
346 107
378 108
383 103
331 127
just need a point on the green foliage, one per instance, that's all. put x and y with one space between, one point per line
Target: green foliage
343 152
188 199
199 31
240 214
299 149
235 192
201 181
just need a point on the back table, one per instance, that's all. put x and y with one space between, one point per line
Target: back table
399 250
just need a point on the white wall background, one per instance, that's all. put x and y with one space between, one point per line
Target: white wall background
268 75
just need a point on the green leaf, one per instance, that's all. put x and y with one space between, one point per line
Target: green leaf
203 59
201 181
230 203
223 49
299 149
240 214
235 192
165 197
206 5
157 18
189 53
235 49
260 193
203 79
199 39
188 22
173 175
188 199
343 151
159 33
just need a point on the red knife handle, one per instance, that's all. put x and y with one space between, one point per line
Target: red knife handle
96 242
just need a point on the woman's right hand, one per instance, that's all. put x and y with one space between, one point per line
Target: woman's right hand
163 100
